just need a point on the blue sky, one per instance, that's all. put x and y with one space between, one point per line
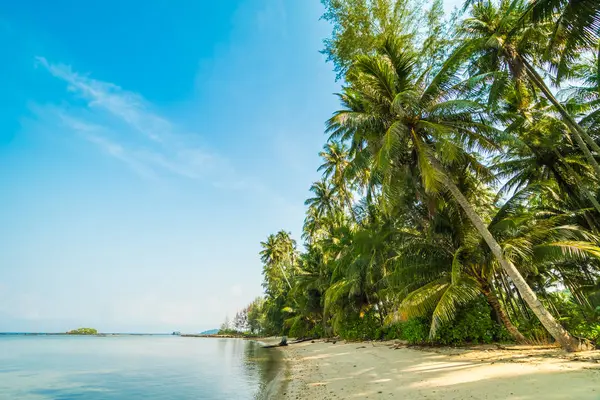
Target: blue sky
146 148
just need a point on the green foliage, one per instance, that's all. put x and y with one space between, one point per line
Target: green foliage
83 331
435 112
580 320
360 326
360 26
415 330
473 324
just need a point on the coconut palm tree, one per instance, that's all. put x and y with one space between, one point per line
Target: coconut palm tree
335 162
543 242
278 252
403 122
537 155
500 46
576 27
324 199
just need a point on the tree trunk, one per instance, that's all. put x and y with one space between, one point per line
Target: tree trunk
574 127
499 310
285 276
552 326
587 193
349 205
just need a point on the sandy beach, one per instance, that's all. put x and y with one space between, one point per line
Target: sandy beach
323 370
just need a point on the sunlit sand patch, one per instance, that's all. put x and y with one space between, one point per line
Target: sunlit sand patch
483 373
436 366
381 380
320 356
362 371
340 379
362 395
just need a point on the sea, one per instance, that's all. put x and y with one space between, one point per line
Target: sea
40 367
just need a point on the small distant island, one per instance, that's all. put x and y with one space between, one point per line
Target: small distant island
83 331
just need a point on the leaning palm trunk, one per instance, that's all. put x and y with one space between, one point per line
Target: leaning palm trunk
349 205
559 333
590 196
285 276
494 302
579 134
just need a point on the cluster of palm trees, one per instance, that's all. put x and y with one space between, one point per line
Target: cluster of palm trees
449 182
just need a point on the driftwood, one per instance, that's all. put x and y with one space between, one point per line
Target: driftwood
303 340
285 343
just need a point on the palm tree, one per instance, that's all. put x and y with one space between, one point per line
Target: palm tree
335 156
497 43
537 155
576 26
585 98
544 242
403 122
278 251
324 199
442 265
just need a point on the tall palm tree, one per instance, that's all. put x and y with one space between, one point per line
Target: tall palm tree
335 162
497 43
324 198
537 155
584 97
576 26
278 253
403 122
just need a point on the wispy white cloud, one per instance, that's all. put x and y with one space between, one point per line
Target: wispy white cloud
123 125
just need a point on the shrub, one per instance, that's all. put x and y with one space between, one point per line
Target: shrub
578 320
473 324
299 327
416 330
317 331
360 326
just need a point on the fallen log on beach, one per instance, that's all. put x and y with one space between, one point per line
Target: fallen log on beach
284 342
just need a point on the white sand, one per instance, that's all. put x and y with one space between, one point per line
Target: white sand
376 371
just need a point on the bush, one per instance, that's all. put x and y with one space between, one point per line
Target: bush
415 330
317 331
363 326
578 320
299 327
473 324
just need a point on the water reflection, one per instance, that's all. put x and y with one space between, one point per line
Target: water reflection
119 368
269 365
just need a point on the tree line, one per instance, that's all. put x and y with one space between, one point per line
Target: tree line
459 196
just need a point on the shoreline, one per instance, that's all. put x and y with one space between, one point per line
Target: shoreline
322 370
277 387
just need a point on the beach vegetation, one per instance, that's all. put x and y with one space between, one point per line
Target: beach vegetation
459 197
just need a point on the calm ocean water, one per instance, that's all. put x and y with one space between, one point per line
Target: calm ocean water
133 367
